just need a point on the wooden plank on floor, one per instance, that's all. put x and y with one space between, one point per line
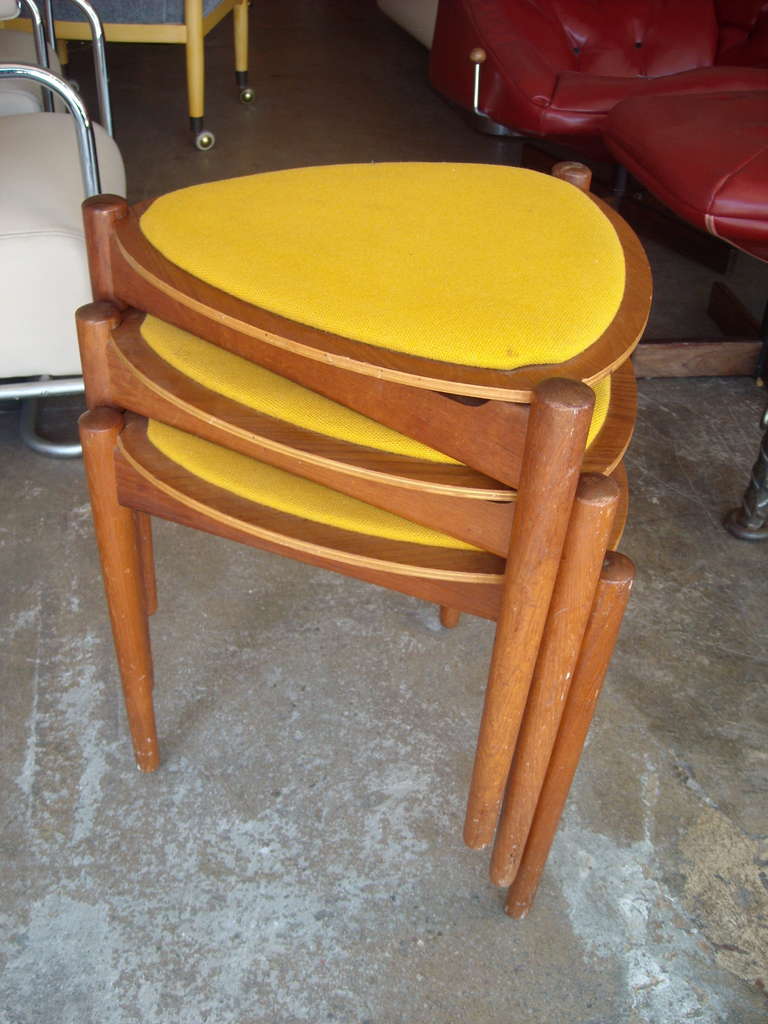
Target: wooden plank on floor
724 357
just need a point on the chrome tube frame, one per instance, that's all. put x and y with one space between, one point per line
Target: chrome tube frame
99 63
50 30
30 392
38 443
41 47
43 388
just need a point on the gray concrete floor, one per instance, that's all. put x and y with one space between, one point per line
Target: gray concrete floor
298 856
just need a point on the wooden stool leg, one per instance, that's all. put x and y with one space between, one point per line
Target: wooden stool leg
118 541
557 431
599 640
585 545
449 617
146 553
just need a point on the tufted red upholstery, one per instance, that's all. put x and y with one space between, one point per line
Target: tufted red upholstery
556 67
706 157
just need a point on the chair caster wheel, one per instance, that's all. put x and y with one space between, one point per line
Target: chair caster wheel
247 95
205 140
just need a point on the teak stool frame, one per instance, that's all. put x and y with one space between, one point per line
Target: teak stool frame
544 572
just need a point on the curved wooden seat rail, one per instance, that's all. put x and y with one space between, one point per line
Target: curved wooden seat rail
122 371
378 383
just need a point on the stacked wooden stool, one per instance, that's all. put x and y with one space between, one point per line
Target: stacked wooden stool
413 374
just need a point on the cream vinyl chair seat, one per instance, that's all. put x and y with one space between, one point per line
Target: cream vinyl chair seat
43 261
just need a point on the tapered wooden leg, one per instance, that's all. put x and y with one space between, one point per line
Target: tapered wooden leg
559 420
146 553
195 53
585 546
599 640
449 617
119 547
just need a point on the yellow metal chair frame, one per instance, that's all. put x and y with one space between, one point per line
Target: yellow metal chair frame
191 33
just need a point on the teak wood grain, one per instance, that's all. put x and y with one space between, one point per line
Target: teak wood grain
124 372
124 581
145 275
583 553
133 355
560 415
721 357
599 640
146 479
147 558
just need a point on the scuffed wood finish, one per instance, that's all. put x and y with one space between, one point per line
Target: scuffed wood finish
489 436
620 519
735 355
143 376
724 357
583 553
149 281
119 548
95 324
101 214
609 447
559 422
136 369
449 617
575 173
146 479
147 555
599 640
452 498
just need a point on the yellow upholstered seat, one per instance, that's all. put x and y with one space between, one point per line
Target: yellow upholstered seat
258 388
480 265
266 485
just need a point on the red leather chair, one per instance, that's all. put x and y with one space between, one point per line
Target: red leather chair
556 68
706 157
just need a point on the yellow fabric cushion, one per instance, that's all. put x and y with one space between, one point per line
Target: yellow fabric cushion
285 492
476 264
257 388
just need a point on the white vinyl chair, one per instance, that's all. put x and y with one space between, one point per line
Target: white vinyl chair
49 163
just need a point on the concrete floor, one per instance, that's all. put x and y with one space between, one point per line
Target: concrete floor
298 856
